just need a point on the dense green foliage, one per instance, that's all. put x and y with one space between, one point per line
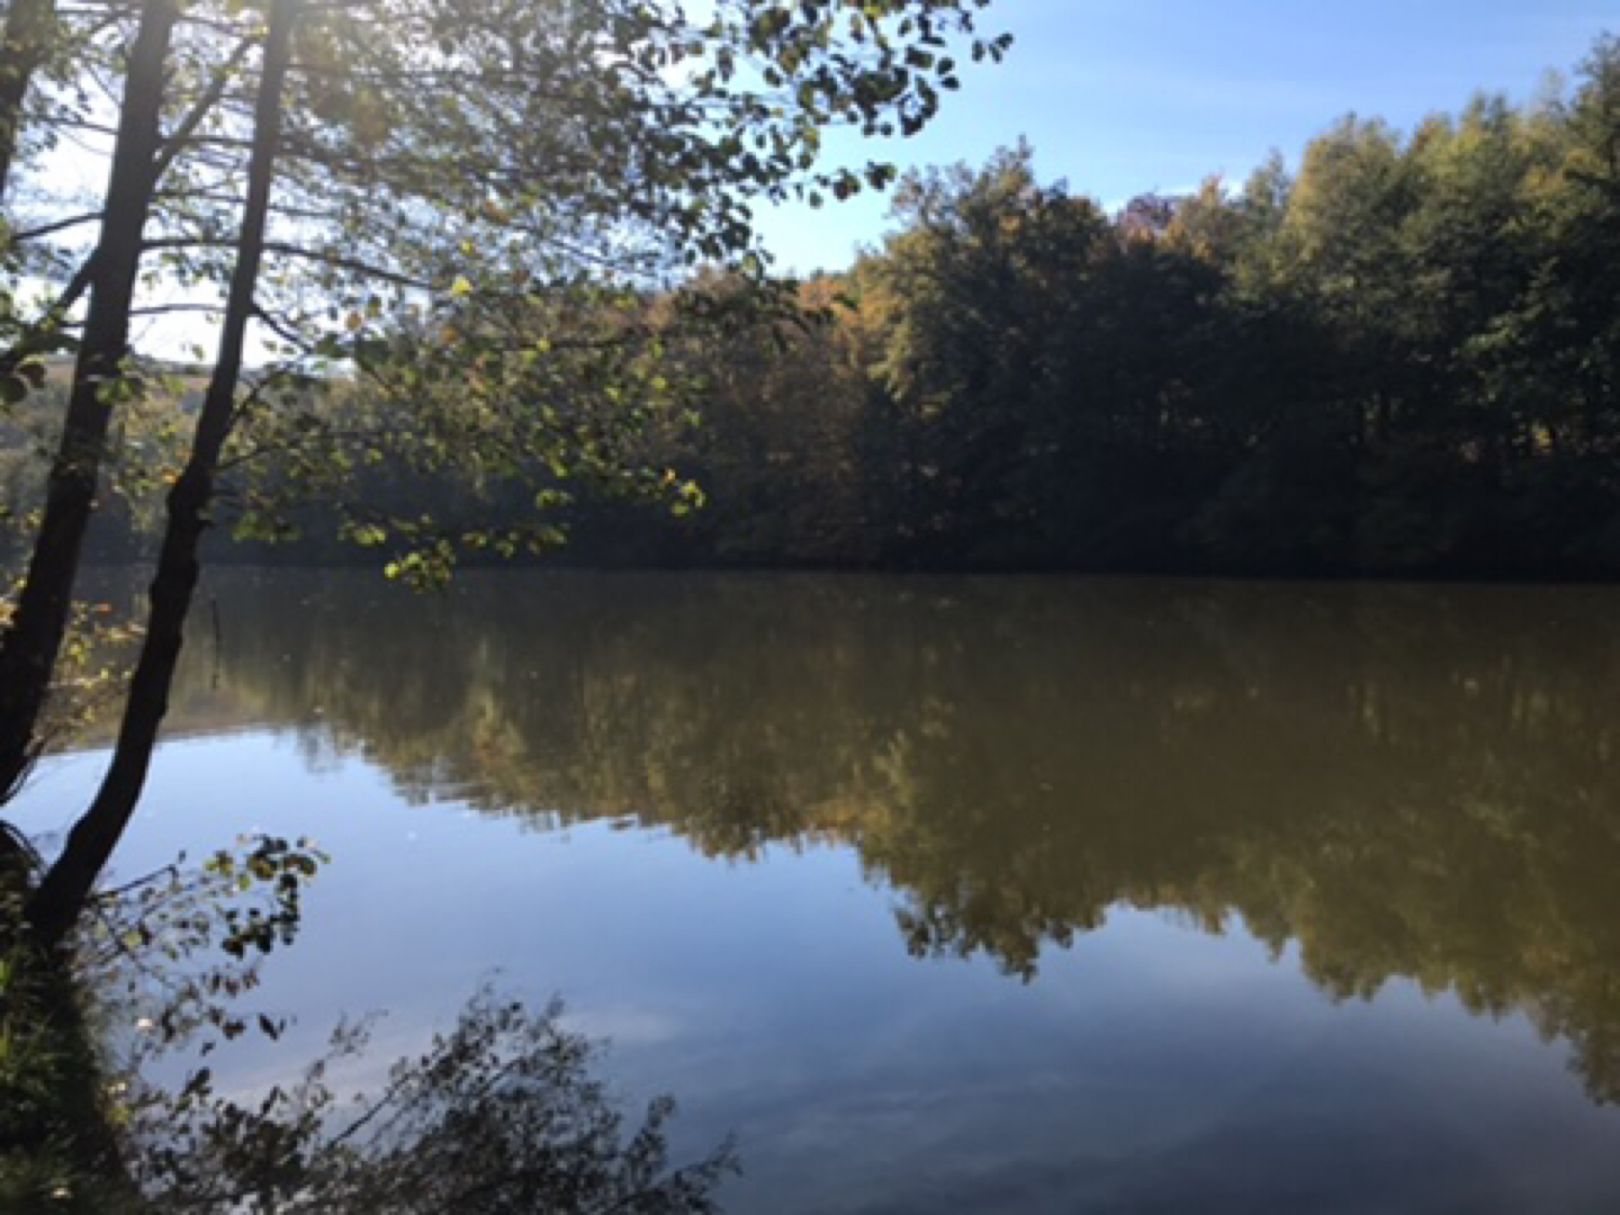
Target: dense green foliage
484 224
1400 358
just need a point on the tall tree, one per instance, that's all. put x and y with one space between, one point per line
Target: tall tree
485 186
33 636
70 879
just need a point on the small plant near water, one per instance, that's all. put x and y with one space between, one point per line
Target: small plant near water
499 1113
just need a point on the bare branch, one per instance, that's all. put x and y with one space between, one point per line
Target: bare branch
200 108
72 221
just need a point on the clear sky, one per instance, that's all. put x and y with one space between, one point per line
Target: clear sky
1119 97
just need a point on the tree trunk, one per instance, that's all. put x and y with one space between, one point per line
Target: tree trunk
67 884
30 646
24 45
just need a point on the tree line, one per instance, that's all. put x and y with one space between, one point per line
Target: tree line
1403 357
1398 358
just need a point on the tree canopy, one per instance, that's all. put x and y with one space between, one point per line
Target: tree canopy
1395 357
469 205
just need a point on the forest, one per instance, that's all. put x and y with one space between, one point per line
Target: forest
467 282
1404 357
1398 358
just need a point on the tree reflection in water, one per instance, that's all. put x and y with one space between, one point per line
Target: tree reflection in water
1407 782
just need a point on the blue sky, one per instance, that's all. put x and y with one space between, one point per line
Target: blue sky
1123 96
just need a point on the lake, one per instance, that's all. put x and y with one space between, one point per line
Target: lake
1038 894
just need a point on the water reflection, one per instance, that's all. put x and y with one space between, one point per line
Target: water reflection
501 1113
1406 782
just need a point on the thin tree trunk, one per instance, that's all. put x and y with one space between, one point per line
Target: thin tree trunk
67 884
24 45
30 646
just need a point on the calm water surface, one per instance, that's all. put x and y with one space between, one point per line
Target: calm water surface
997 894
